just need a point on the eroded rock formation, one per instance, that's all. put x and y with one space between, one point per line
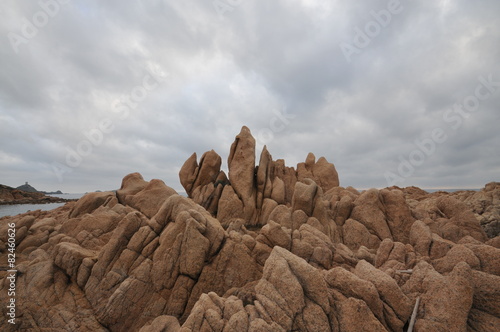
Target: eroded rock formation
266 248
250 191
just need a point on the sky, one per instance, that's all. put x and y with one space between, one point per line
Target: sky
391 92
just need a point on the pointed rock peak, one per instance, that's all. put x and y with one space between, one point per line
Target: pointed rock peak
310 160
265 154
244 141
245 130
241 165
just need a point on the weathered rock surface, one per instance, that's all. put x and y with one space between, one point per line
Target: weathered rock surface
270 248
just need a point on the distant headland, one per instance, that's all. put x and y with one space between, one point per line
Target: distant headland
26 194
28 188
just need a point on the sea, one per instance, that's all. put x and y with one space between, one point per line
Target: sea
15 209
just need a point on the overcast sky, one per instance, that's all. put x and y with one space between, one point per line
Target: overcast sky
404 93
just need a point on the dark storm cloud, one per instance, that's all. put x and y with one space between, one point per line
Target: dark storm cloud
85 80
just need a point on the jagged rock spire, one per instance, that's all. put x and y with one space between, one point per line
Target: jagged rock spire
250 189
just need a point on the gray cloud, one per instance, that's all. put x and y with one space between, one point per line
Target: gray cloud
365 115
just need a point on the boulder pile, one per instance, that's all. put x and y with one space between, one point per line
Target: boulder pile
263 248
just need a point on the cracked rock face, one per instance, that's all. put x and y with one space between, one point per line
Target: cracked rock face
265 248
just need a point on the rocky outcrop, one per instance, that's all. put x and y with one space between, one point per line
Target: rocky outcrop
268 248
485 206
249 190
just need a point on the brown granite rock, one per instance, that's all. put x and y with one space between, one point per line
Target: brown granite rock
188 173
230 206
269 249
356 234
204 182
322 172
241 164
445 300
163 323
485 205
90 202
264 178
325 174
209 169
462 221
355 315
131 185
458 253
420 238
351 286
397 306
253 185
369 211
150 198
